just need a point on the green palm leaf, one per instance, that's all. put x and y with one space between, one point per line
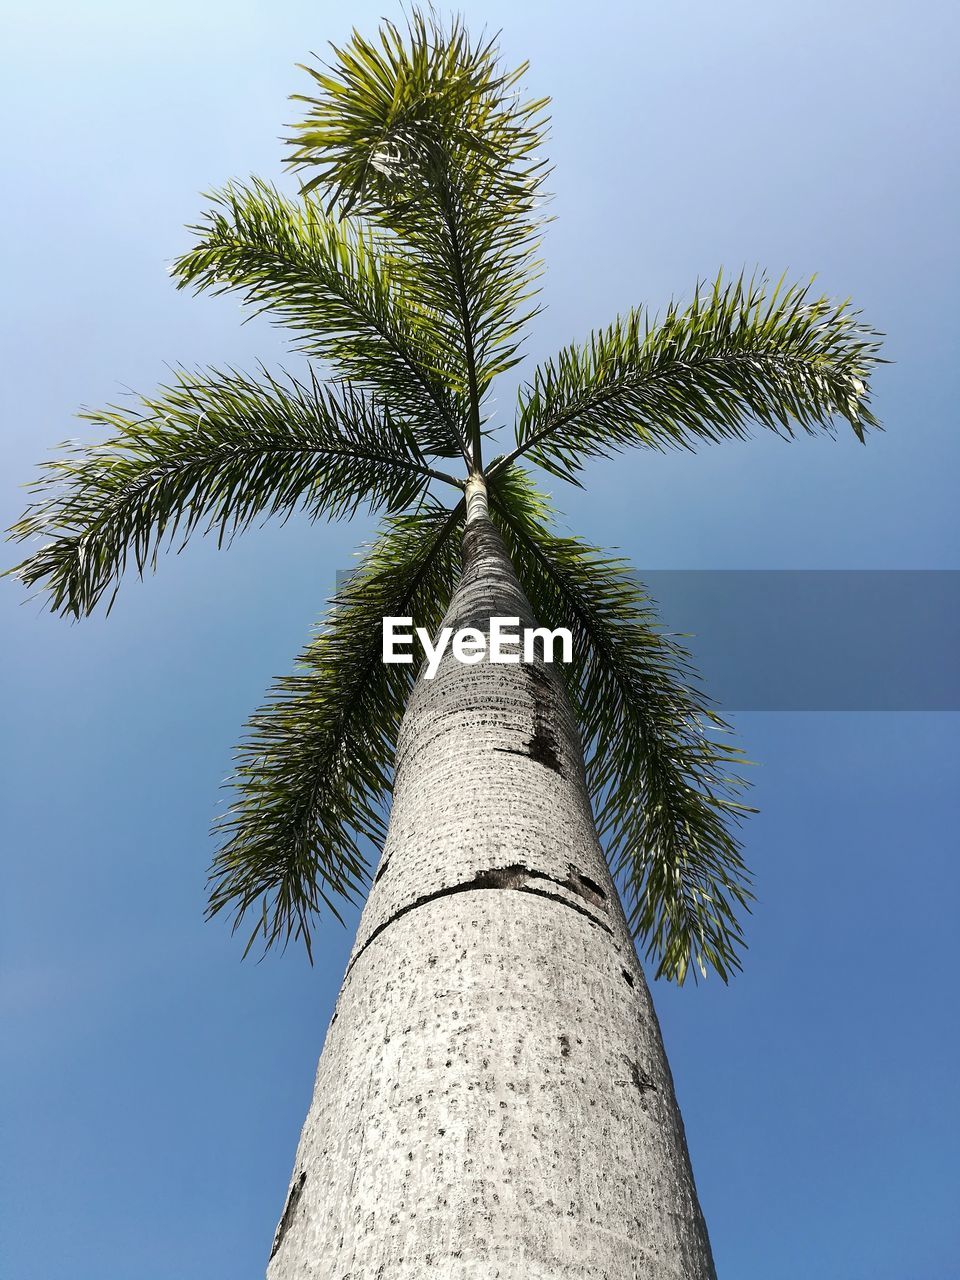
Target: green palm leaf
736 356
214 449
315 769
424 135
662 778
339 286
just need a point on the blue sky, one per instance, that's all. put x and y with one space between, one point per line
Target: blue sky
153 1085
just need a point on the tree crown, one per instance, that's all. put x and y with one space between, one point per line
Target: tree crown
406 268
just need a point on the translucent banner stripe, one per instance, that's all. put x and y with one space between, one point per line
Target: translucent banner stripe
815 639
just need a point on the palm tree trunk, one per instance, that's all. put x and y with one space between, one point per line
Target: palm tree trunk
493 1098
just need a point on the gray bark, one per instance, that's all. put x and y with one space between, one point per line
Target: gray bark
493 1098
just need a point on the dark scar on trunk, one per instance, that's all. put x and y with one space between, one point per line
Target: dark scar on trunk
289 1209
542 745
586 886
639 1077
381 870
539 748
517 877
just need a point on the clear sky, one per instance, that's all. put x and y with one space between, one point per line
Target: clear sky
153 1085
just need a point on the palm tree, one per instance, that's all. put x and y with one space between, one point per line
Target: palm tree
493 1096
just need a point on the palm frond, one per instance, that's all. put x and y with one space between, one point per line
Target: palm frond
337 285
661 776
426 134
314 770
214 449
738 355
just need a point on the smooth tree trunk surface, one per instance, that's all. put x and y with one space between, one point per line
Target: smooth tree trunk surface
493 1098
